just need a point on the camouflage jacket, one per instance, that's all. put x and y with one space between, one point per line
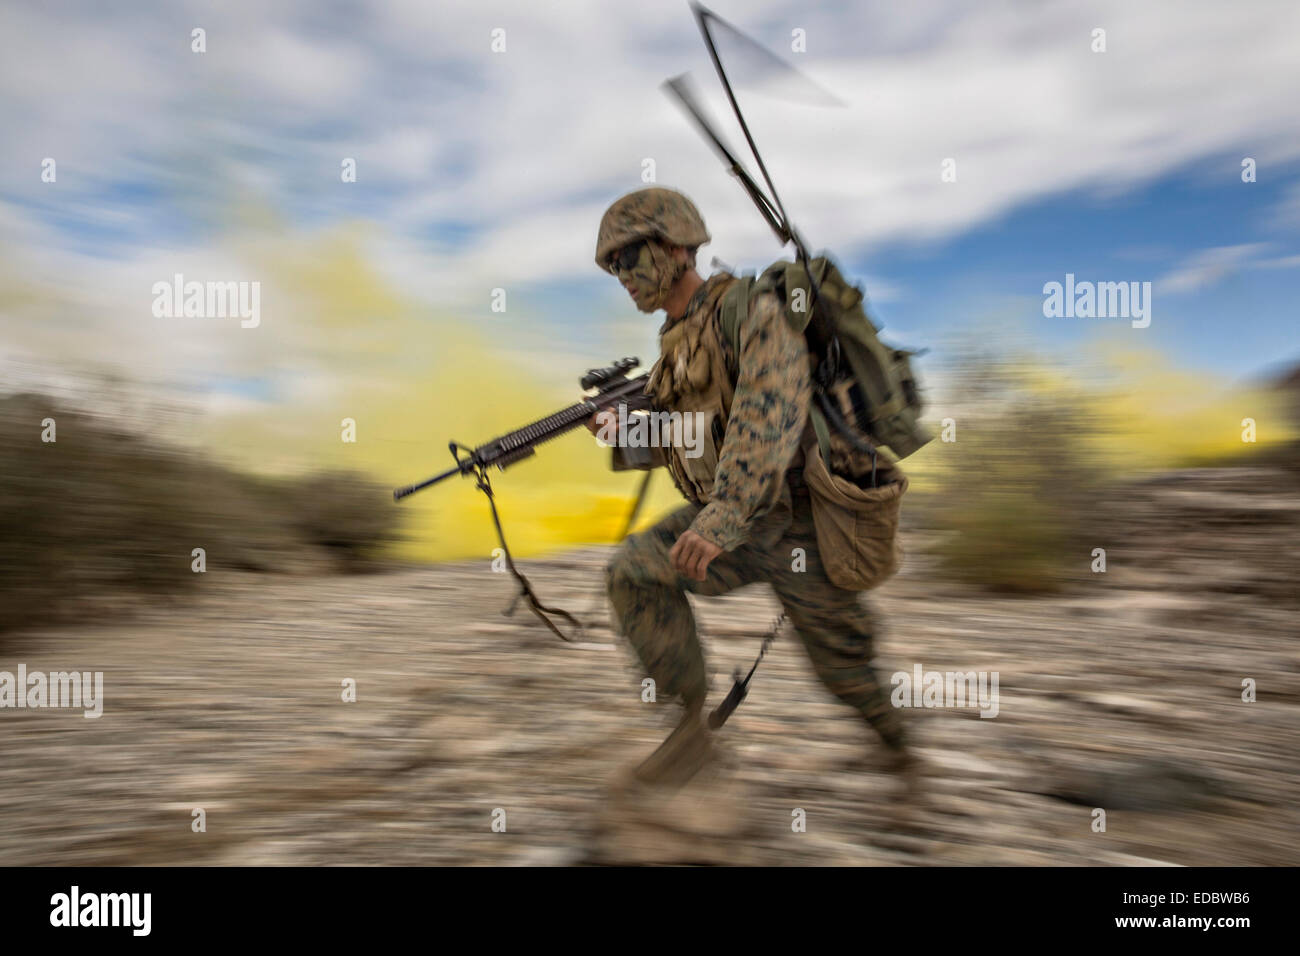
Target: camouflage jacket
766 398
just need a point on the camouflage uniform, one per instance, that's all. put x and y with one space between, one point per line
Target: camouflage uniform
750 502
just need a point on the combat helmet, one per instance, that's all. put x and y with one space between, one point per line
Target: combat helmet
653 212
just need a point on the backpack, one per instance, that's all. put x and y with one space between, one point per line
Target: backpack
876 389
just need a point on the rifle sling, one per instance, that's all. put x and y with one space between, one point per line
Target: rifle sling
525 588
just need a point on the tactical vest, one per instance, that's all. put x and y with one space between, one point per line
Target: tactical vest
691 376
856 526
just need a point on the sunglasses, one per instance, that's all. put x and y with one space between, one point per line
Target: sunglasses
625 259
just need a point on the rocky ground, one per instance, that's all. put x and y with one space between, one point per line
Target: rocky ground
1124 696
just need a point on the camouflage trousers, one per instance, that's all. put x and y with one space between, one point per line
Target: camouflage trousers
651 608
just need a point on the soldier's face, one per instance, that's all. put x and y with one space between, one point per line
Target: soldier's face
645 269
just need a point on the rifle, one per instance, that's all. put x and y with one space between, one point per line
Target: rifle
613 388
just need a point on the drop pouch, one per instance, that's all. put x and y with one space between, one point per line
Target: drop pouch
856 526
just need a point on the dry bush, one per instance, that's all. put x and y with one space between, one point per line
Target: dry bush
102 511
1019 484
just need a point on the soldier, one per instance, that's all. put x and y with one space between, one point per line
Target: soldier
748 507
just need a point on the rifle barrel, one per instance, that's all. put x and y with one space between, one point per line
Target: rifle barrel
401 493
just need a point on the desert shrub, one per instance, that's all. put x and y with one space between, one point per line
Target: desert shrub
1018 485
350 516
103 511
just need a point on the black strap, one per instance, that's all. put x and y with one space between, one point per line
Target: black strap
525 589
833 416
740 686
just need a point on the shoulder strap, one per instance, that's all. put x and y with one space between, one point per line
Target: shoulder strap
735 307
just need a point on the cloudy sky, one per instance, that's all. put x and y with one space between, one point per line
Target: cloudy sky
482 169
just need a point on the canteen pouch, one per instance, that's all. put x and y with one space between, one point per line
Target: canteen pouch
857 527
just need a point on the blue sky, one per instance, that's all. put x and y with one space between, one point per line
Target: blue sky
1238 318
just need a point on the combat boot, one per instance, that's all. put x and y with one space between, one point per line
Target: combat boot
687 751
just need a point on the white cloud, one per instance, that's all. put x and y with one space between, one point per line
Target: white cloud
1281 262
1287 213
1210 266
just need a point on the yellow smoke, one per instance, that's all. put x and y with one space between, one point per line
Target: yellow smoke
412 381
1155 416
1140 413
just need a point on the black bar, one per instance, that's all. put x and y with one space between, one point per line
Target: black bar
923 909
